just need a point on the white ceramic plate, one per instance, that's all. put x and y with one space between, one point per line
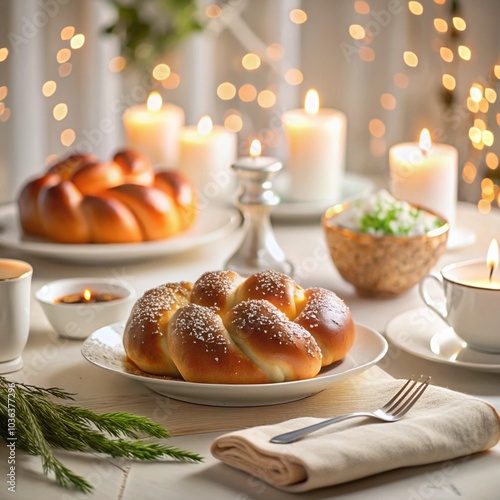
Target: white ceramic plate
212 224
422 333
353 186
104 348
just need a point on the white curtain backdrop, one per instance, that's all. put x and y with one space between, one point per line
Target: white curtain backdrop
321 48
31 31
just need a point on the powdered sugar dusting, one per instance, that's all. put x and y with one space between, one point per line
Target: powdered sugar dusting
95 350
114 358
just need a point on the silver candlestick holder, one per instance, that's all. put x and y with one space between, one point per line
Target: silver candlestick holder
259 250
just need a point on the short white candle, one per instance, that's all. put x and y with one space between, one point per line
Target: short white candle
426 174
256 161
316 142
206 154
153 129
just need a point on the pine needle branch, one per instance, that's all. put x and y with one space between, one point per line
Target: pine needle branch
43 425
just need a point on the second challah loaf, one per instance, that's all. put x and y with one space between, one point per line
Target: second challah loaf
82 200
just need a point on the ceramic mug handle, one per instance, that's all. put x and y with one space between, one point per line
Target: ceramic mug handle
439 307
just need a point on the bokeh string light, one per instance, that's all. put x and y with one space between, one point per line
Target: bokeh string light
4 90
450 27
258 57
71 41
482 164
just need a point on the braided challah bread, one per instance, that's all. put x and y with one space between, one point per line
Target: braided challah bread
225 329
82 200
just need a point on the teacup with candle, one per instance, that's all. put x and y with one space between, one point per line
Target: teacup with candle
76 307
471 300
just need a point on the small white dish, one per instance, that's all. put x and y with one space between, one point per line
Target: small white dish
79 320
104 348
353 186
422 333
213 223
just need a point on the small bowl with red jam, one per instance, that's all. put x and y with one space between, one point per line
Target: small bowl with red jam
77 307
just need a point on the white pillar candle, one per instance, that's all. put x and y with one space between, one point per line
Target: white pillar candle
426 174
153 129
316 142
206 153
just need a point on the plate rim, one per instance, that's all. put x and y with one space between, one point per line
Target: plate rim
12 239
431 355
307 384
289 210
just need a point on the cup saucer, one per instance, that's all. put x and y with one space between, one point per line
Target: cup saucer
422 333
13 365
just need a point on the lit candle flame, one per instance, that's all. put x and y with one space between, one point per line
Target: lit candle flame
492 256
205 125
154 101
87 294
311 103
255 149
425 141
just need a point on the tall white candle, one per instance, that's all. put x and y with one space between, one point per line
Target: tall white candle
316 142
426 174
206 153
153 129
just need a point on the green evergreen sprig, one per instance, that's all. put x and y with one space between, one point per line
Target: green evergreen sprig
42 425
148 29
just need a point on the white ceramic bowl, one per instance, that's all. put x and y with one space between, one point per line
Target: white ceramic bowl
78 321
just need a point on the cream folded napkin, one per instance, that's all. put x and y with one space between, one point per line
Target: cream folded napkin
442 425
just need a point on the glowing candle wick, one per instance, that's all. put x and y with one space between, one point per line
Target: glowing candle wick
492 256
255 149
425 142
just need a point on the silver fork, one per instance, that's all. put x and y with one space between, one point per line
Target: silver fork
395 409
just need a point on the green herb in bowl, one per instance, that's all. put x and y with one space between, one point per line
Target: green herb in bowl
381 214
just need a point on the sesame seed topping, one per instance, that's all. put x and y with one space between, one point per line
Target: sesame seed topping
152 305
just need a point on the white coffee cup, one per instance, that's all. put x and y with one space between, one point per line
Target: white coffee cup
471 303
15 296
